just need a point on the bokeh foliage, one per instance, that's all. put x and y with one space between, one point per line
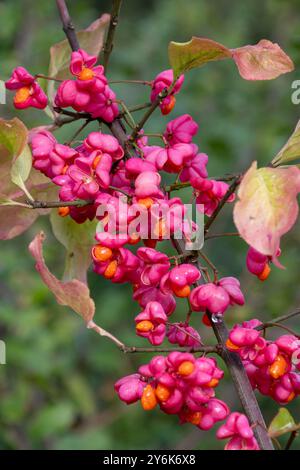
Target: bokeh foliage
57 387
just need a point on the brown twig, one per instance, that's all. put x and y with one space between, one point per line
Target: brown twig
224 234
136 82
53 204
291 439
68 26
203 349
283 327
109 43
72 114
280 319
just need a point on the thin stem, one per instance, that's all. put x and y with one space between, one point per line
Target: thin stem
53 204
221 204
39 75
114 188
203 349
283 327
78 131
224 234
126 114
139 107
226 177
177 186
280 319
158 136
72 114
109 43
179 328
146 116
137 82
68 26
91 325
291 439
209 263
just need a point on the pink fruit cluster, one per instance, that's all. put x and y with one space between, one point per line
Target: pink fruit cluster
272 366
128 197
259 264
179 384
28 91
239 433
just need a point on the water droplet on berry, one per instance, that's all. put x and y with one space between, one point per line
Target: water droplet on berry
216 317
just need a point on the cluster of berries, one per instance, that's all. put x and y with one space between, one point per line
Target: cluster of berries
183 385
272 366
128 198
180 384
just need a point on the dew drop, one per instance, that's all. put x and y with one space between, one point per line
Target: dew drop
216 317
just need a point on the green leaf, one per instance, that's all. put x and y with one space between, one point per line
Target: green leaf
13 137
291 149
282 423
78 240
21 168
195 53
263 61
13 147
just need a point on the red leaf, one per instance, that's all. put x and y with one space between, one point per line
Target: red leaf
264 61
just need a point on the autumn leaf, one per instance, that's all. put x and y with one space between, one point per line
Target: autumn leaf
267 206
262 61
195 53
74 294
291 150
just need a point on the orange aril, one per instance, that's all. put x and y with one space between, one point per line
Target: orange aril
182 291
63 211
213 383
144 326
147 202
22 94
111 269
162 392
231 345
86 74
186 368
102 253
279 367
265 273
148 400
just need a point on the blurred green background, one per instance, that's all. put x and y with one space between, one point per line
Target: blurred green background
57 386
